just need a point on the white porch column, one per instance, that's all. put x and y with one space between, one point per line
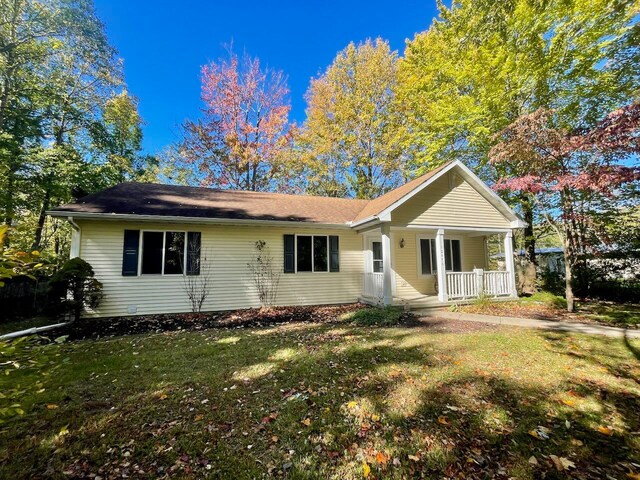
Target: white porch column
440 267
509 263
387 294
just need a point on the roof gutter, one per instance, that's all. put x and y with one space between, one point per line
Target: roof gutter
179 219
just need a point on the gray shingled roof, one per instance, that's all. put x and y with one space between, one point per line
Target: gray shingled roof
178 201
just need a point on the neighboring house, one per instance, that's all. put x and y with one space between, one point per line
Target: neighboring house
616 265
391 250
548 258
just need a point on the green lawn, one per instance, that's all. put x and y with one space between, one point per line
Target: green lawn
327 401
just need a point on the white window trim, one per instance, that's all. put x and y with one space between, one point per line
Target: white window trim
419 256
373 259
313 261
433 269
164 242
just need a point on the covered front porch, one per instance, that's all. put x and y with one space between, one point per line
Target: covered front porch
420 267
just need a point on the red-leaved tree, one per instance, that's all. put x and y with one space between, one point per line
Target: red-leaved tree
240 141
568 173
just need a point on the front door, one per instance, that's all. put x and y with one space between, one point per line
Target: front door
374 270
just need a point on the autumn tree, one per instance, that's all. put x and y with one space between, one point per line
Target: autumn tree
483 64
566 172
240 140
350 139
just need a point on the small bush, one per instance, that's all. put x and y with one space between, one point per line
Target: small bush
376 316
552 282
76 287
483 302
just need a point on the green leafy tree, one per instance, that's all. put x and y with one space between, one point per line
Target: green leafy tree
485 63
350 142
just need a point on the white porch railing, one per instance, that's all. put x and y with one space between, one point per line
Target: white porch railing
462 285
478 282
496 283
373 285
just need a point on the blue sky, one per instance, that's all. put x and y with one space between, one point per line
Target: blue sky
163 45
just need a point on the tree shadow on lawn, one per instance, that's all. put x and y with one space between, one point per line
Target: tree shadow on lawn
598 351
320 402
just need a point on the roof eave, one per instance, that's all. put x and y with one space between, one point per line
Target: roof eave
180 219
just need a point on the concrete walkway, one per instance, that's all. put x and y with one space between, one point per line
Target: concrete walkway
572 327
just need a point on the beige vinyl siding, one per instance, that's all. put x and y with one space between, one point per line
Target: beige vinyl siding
410 282
230 248
440 205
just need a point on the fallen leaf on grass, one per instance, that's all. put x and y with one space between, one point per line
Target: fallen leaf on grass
540 432
382 458
633 476
366 470
443 420
533 461
306 422
562 463
415 458
569 403
605 430
51 406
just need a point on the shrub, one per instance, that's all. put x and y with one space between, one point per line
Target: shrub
76 288
616 290
547 298
376 316
550 281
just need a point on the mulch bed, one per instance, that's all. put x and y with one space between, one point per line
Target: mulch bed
251 317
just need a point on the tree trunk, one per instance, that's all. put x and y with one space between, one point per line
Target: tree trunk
37 239
529 236
568 273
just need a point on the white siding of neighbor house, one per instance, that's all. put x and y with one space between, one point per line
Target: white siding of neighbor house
410 283
230 248
449 201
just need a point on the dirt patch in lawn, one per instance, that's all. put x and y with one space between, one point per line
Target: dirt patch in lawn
445 325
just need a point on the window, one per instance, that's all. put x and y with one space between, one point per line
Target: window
320 260
173 253
312 253
452 256
428 257
376 249
304 254
160 253
152 248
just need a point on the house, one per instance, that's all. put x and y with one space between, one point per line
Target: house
423 243
548 258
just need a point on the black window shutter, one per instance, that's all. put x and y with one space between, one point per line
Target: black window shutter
193 253
130 250
289 254
334 253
